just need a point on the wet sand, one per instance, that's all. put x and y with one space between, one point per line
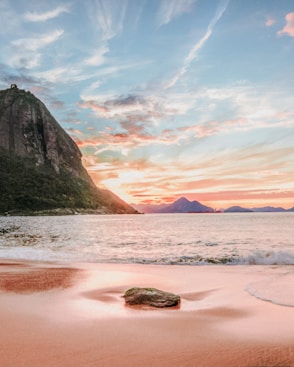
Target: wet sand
61 315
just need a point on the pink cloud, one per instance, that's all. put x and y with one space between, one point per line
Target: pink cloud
210 128
270 21
93 105
132 135
225 198
289 27
86 142
74 131
239 195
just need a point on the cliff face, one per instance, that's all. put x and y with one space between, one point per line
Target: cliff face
28 130
34 147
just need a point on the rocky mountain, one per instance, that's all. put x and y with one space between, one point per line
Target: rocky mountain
181 205
237 209
40 165
264 209
269 209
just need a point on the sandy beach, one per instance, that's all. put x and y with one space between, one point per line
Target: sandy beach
60 315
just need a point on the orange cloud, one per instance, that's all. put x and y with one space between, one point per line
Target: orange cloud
240 174
226 198
256 179
237 195
86 142
99 177
289 27
246 198
145 181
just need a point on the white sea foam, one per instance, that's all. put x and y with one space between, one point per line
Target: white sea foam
263 257
277 289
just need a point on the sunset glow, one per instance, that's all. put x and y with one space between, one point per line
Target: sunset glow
165 98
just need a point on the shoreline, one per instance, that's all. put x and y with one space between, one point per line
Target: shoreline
54 314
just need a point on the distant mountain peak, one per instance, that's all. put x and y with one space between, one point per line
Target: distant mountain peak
269 209
182 200
237 209
181 205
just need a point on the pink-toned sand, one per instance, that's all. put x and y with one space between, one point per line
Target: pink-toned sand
60 315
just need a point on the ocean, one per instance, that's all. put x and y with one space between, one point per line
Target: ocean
180 239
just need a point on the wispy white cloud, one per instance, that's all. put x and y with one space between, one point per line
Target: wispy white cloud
170 9
107 16
98 56
78 71
69 74
56 74
199 44
34 44
42 17
25 51
289 27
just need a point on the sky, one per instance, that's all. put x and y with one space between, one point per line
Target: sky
165 98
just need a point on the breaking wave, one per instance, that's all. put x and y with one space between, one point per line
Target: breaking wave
257 258
268 258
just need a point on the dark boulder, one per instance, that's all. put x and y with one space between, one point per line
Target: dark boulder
151 297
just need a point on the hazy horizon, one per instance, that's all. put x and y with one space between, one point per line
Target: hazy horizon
165 98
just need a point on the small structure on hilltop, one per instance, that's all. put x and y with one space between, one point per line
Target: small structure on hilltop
13 86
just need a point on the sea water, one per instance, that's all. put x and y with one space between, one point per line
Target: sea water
184 239
166 239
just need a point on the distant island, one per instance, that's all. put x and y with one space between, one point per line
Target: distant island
183 205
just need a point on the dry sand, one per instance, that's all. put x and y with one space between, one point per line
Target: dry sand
60 315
